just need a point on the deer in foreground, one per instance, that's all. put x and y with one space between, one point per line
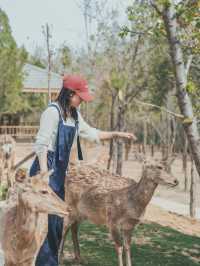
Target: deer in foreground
80 177
7 158
24 220
120 209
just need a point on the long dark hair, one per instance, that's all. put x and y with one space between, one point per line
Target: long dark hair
63 100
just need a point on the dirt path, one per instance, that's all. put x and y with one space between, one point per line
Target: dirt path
180 223
176 207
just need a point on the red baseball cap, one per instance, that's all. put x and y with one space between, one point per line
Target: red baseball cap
79 85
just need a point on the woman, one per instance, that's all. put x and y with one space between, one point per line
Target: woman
60 123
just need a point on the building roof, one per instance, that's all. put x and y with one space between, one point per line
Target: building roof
36 79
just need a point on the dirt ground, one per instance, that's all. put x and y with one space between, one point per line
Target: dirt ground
180 223
132 168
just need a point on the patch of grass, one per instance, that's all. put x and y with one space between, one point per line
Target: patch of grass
152 245
3 192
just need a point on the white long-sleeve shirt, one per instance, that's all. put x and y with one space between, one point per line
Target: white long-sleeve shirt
46 136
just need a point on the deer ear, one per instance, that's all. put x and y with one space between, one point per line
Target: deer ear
144 164
139 157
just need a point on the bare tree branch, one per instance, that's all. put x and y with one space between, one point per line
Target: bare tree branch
153 4
139 32
47 35
157 130
28 157
188 64
160 108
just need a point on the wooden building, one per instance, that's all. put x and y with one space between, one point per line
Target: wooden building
35 81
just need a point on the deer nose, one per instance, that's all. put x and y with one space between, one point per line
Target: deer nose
176 182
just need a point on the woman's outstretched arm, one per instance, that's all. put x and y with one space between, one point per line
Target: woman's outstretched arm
105 135
96 135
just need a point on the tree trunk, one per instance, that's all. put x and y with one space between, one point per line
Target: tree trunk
119 157
168 134
163 151
112 118
114 158
139 148
153 141
185 152
152 150
49 52
120 127
184 102
144 136
111 149
128 144
193 191
173 135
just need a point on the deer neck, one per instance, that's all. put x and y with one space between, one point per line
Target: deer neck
26 226
33 233
144 191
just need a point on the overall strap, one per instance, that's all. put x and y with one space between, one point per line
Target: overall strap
80 154
56 106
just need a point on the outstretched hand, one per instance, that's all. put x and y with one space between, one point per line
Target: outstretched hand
126 135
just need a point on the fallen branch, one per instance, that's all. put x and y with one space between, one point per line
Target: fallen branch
29 156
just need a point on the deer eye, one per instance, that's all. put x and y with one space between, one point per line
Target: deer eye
160 167
44 191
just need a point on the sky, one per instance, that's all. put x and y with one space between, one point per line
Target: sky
64 17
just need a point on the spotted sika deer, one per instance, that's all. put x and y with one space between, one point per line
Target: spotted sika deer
119 208
24 220
7 159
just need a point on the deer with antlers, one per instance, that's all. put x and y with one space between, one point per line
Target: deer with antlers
24 220
118 203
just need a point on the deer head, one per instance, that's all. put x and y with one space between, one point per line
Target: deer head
39 197
20 175
7 145
155 171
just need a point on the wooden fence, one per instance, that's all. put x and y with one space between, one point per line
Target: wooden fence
19 131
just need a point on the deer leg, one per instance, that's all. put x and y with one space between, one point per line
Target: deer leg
118 245
127 246
61 248
74 230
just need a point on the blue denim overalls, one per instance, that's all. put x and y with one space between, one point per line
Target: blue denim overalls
58 160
